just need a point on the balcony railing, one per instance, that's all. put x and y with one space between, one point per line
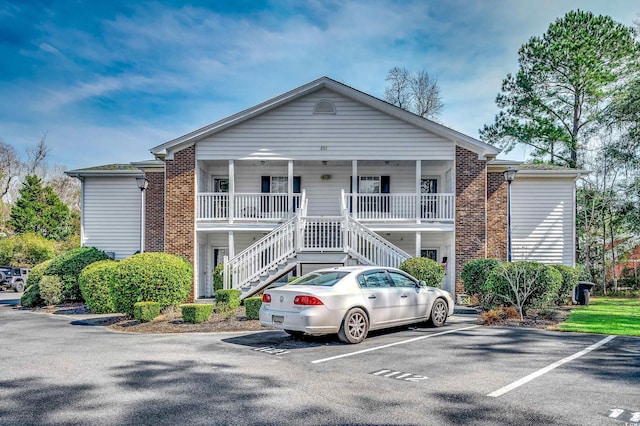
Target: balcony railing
390 207
369 207
246 206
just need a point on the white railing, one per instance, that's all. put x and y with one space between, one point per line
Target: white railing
370 248
402 206
321 233
265 254
367 246
213 205
246 206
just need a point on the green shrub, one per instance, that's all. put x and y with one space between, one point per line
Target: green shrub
523 284
631 282
146 311
217 277
424 269
156 277
7 246
50 290
227 302
569 280
95 284
26 250
475 273
68 267
252 307
31 296
196 313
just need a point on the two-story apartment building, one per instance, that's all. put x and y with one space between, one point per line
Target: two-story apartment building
326 175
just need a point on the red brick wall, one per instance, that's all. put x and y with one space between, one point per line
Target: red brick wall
154 214
471 192
180 205
496 216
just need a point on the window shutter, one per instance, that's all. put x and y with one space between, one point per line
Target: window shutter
266 184
297 180
385 184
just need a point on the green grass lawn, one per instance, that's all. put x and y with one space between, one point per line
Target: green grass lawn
605 316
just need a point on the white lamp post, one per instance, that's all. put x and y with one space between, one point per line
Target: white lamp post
143 183
509 176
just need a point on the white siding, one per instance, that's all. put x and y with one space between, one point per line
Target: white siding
542 219
111 215
356 131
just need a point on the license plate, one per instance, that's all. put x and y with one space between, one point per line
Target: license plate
277 319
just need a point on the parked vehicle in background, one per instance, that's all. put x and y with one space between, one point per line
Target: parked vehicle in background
352 300
13 278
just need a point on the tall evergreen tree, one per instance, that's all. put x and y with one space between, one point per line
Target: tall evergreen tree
39 210
565 78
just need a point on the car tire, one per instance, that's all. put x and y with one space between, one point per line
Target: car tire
439 312
18 287
354 327
2 276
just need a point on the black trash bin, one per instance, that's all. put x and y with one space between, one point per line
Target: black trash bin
582 292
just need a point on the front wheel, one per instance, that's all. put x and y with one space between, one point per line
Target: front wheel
439 312
18 287
355 326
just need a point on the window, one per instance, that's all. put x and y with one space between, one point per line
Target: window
325 279
279 184
369 185
429 254
401 280
374 279
374 185
429 203
221 185
324 106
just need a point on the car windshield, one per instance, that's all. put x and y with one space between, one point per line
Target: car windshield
326 279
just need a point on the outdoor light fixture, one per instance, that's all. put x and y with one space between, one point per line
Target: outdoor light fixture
509 176
142 183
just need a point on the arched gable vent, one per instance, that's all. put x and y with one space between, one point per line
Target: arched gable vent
324 106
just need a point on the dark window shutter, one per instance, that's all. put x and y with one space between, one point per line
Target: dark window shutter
297 180
266 184
385 184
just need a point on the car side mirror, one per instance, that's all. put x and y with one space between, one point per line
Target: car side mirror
422 283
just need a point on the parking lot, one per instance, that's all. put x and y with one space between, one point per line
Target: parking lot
458 374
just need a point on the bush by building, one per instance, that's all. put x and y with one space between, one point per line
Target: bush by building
95 283
424 269
146 311
196 313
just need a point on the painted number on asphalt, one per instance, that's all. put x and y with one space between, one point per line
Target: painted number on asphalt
624 415
399 375
272 350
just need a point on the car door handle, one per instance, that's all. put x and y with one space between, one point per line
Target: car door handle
372 296
404 296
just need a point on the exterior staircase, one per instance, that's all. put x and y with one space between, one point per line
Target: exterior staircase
325 239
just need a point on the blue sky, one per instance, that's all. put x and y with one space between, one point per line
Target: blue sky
107 80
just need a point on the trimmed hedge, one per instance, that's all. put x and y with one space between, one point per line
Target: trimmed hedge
26 249
156 277
252 307
424 269
50 290
31 296
95 284
196 313
227 302
475 273
570 278
146 311
68 267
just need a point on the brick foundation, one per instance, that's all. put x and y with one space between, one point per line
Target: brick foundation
496 216
154 212
471 178
180 206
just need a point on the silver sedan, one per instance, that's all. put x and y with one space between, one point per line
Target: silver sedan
351 301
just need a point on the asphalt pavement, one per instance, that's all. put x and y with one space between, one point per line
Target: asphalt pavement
59 370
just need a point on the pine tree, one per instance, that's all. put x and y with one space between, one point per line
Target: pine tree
39 210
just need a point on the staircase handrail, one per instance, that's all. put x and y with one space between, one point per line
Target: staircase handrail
263 255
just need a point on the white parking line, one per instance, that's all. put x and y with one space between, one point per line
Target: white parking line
545 370
318 361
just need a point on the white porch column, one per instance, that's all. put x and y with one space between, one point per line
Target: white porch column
290 186
232 245
418 191
354 188
418 243
232 190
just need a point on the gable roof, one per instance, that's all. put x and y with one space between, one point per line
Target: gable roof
106 170
482 149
